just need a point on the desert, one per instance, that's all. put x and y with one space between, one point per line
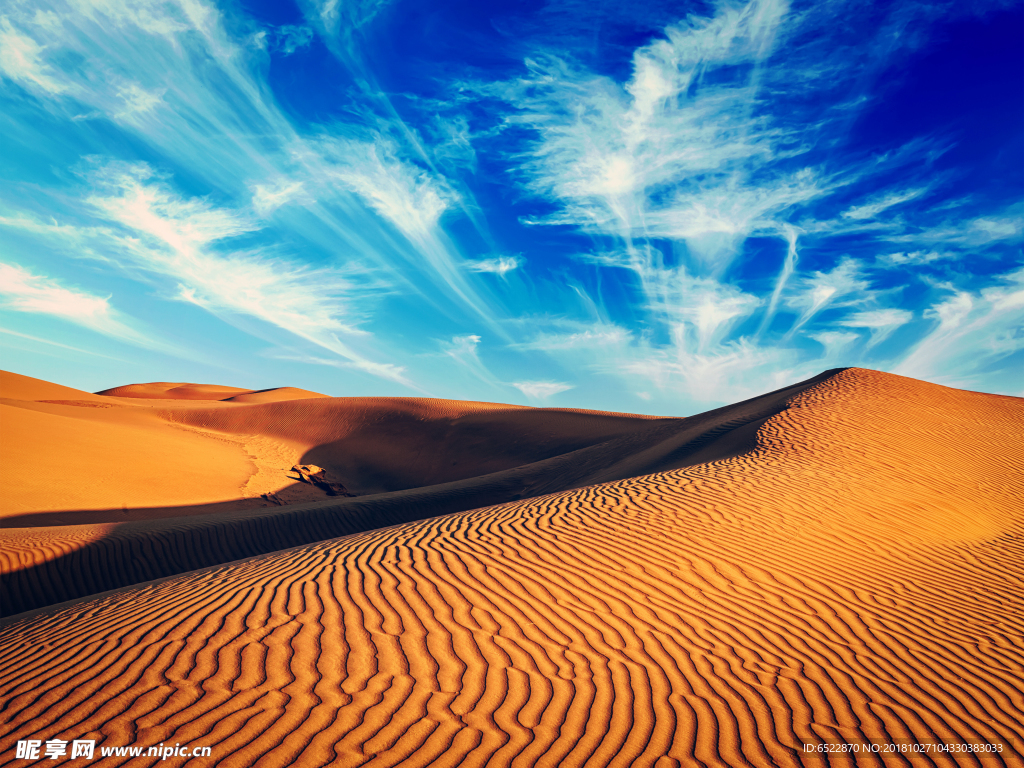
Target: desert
544 384
836 562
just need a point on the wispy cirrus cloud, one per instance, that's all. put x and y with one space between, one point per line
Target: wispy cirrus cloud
541 390
788 267
36 340
499 265
740 226
336 20
842 286
880 322
1005 226
268 197
351 187
389 371
870 210
971 331
289 38
702 311
838 345
674 152
912 258
24 291
584 337
179 238
707 144
22 60
464 350
732 371
409 197
363 181
680 165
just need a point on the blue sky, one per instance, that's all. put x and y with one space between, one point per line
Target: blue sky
570 204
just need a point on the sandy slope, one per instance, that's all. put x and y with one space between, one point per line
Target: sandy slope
856 570
66 451
168 390
164 449
63 449
455 456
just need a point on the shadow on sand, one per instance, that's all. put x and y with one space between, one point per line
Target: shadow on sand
123 554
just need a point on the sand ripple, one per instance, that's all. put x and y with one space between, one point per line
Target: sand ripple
857 574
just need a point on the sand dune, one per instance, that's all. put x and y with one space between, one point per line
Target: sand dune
273 395
166 390
840 560
408 457
82 451
16 387
123 458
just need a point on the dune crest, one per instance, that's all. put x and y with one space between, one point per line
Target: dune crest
853 572
166 390
274 395
14 386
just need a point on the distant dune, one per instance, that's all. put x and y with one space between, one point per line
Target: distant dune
273 395
838 560
166 390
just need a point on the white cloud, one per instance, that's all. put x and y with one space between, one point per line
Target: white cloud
463 350
702 311
840 287
289 38
340 18
133 195
137 100
452 146
674 152
788 266
671 168
699 312
31 293
837 345
971 332
499 265
37 340
267 198
881 322
541 390
21 60
714 222
731 372
24 291
173 72
402 193
597 337
389 371
976 232
181 238
410 198
912 258
871 209
462 345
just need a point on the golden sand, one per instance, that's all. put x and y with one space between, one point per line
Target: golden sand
841 560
